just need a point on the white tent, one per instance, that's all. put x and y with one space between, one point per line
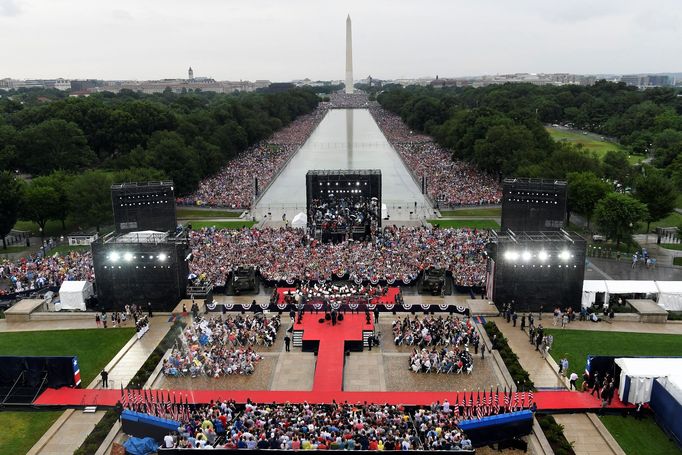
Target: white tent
590 290
72 295
631 287
384 211
299 221
638 374
670 295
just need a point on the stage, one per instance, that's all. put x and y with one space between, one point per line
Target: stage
389 299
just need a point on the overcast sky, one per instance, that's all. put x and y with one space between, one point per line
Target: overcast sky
291 39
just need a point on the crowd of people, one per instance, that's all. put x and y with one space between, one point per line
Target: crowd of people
450 183
331 292
221 346
38 271
441 361
333 426
394 254
233 186
343 214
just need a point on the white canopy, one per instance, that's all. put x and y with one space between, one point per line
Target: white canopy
299 221
670 295
637 375
631 287
590 290
72 295
384 211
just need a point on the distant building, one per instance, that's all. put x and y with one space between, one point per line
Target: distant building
646 80
190 74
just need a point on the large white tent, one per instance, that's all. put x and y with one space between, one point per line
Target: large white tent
670 295
72 295
637 375
592 287
299 221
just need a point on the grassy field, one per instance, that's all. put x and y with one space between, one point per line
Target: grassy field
488 211
12 249
185 213
672 246
590 142
477 224
677 261
52 228
639 437
577 344
21 430
222 224
63 249
94 347
672 220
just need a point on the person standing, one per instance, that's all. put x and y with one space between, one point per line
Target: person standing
334 317
105 379
573 378
514 318
98 321
287 342
149 309
596 385
376 314
523 322
104 319
292 314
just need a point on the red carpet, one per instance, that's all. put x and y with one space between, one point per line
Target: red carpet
559 401
329 367
388 299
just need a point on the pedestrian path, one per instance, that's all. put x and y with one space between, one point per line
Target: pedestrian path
588 435
71 429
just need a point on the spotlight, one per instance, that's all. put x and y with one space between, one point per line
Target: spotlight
128 257
565 255
511 255
542 255
526 256
114 256
162 257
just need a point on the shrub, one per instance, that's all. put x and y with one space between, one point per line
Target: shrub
555 435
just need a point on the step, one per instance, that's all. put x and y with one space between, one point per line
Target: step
90 410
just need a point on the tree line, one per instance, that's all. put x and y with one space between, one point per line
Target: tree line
74 148
501 129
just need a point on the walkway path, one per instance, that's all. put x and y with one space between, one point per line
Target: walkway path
72 427
578 428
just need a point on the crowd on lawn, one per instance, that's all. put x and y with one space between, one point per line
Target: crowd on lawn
221 346
38 271
233 185
331 426
451 183
396 253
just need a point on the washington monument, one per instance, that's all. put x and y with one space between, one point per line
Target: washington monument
349 57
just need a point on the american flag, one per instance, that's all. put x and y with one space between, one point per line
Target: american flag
530 398
76 372
497 400
490 403
515 402
506 400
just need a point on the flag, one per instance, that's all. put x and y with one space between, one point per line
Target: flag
505 408
76 372
497 400
490 402
530 398
515 402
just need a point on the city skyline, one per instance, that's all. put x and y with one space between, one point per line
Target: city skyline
278 41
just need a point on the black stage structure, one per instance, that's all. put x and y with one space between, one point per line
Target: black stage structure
143 206
343 203
536 270
141 267
533 204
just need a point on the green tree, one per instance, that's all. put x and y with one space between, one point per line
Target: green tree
618 214
616 166
38 205
53 144
659 195
11 194
60 182
585 190
90 197
167 151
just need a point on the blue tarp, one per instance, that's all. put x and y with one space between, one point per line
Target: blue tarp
137 446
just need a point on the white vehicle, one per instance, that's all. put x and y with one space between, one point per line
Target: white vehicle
598 238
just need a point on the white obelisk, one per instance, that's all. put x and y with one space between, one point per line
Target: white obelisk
349 57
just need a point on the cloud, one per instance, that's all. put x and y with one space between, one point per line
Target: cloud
9 8
121 15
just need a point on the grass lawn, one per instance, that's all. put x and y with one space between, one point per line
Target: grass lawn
66 248
21 430
222 224
477 224
487 211
639 437
678 202
577 344
94 347
672 246
185 213
590 142
13 249
672 220
52 228
677 261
